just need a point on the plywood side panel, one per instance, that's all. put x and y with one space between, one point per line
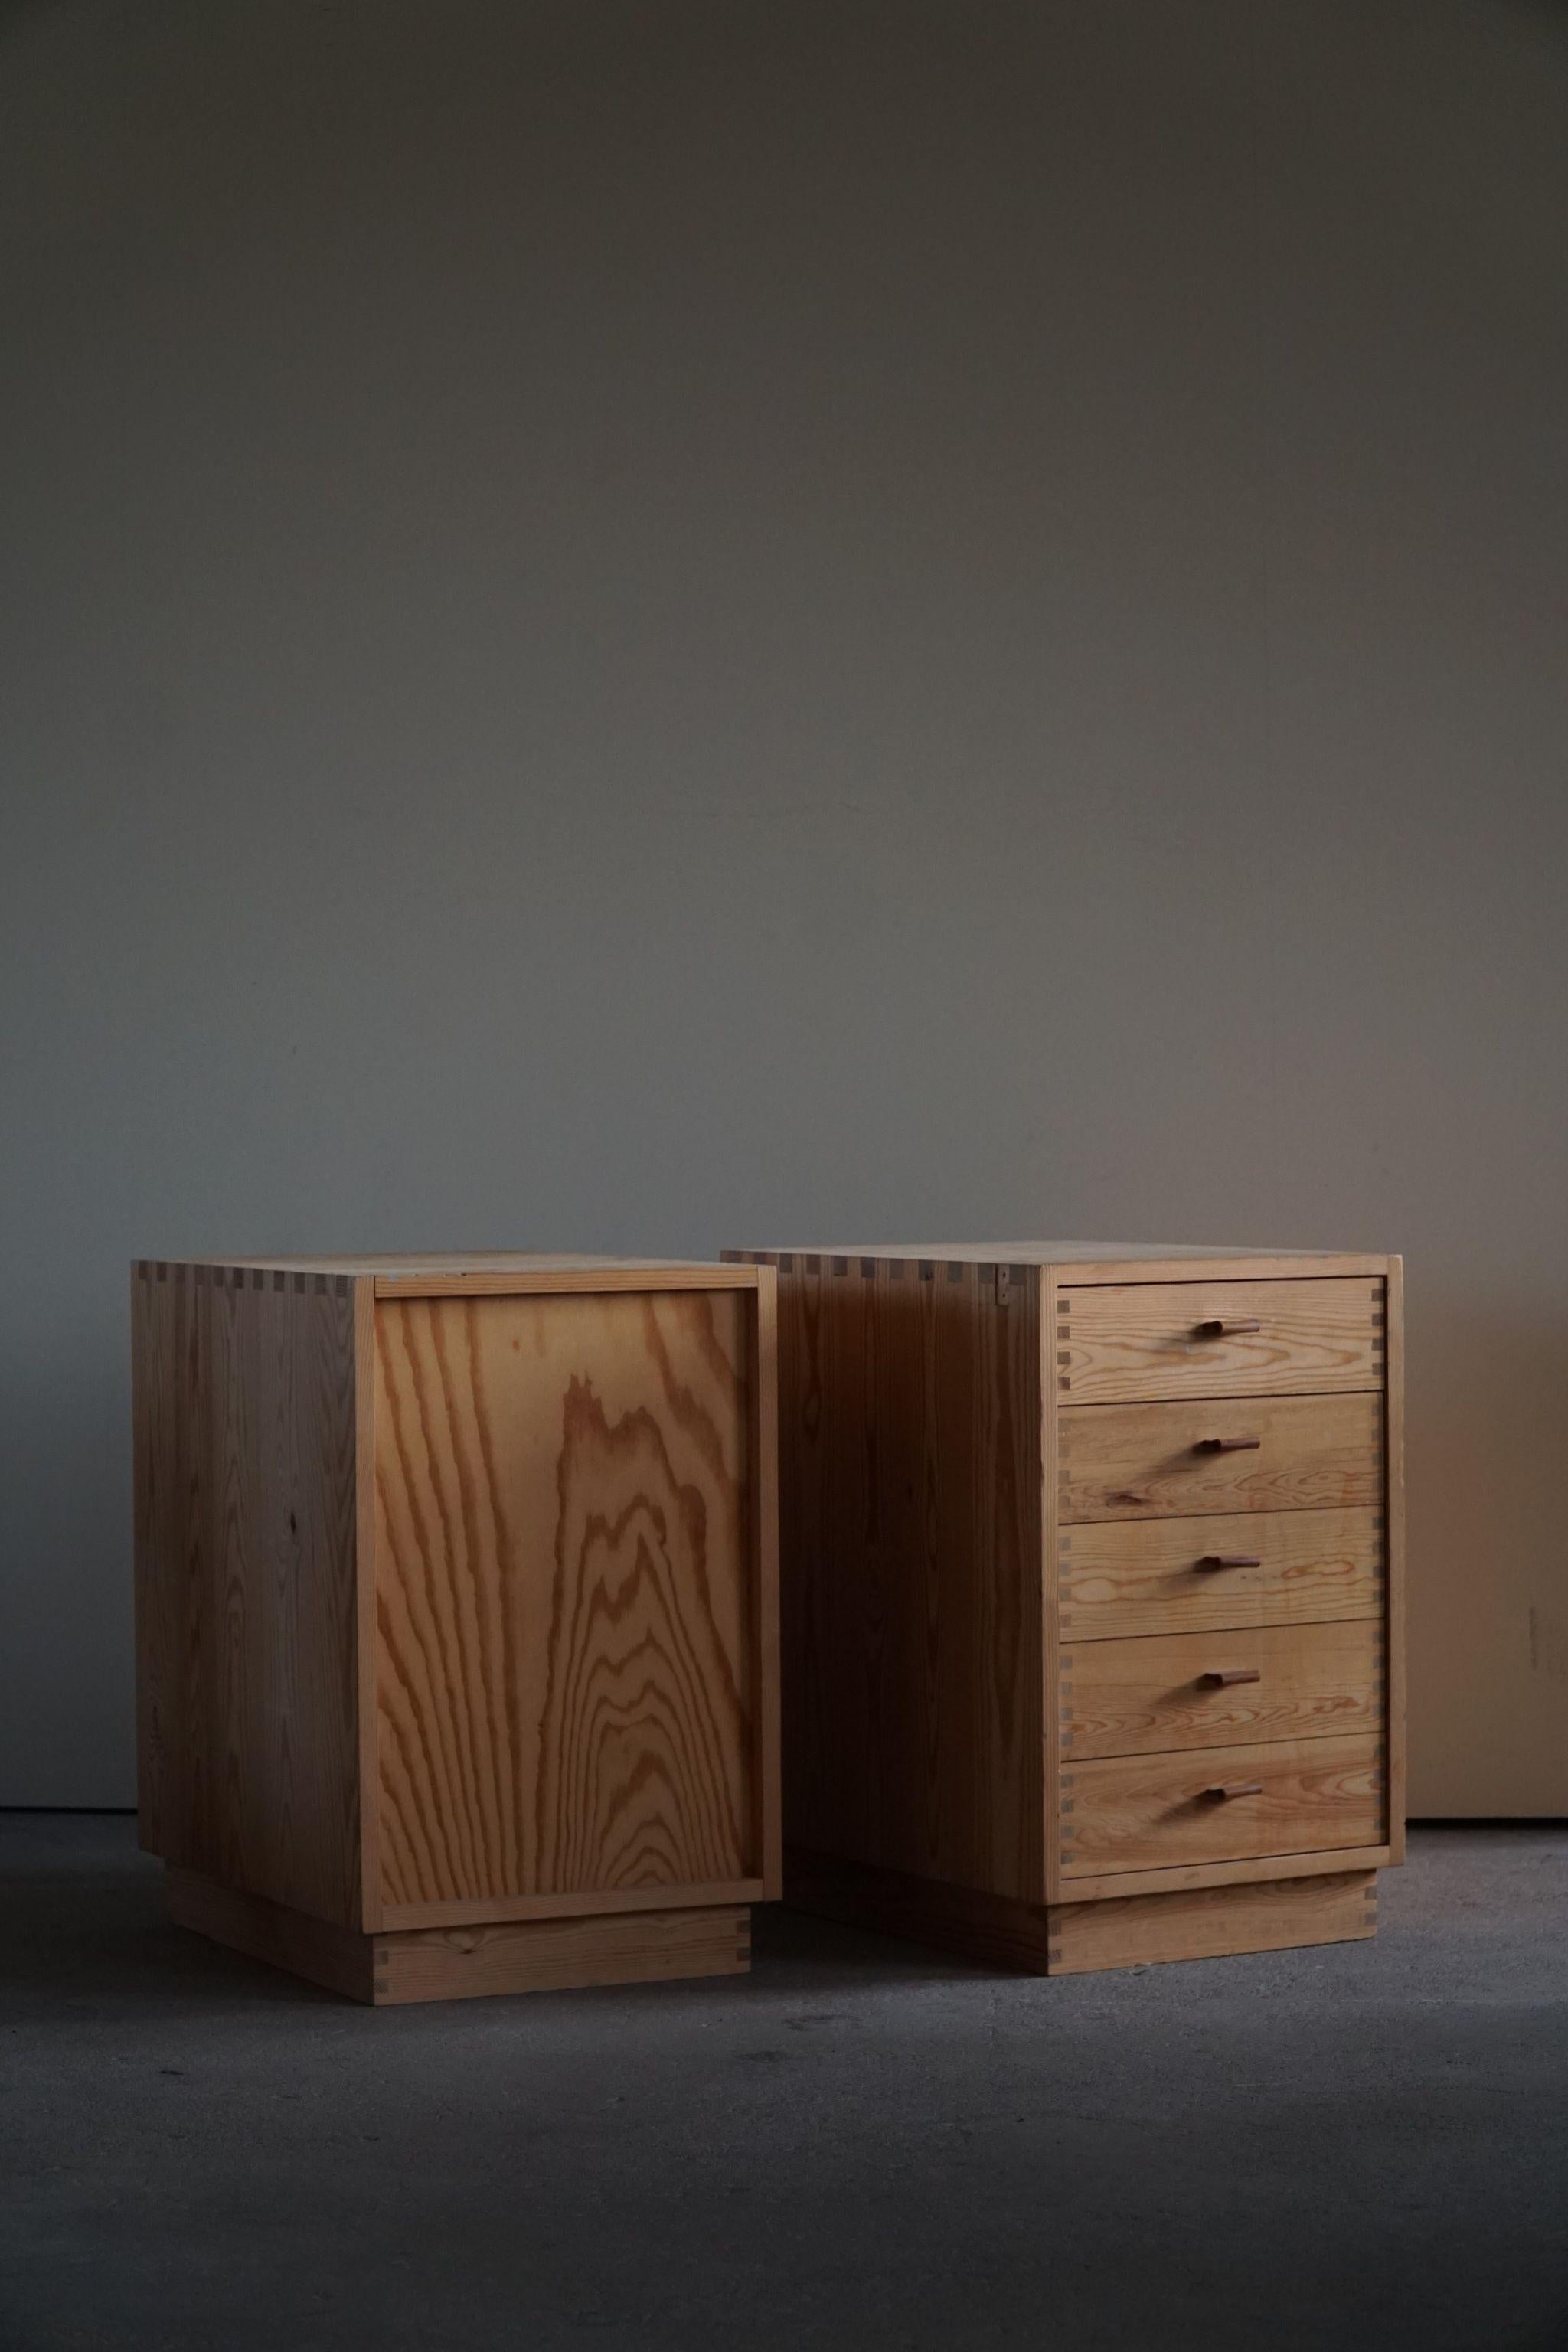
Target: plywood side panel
565 1573
909 1422
244 1443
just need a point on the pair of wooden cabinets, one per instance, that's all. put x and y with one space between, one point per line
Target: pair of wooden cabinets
458 1605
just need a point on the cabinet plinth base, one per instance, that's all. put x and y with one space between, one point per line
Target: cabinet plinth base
1073 1938
463 1963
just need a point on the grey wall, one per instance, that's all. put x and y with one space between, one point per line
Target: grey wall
645 625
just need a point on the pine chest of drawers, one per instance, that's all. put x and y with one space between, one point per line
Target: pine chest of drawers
1091 1566
457 1630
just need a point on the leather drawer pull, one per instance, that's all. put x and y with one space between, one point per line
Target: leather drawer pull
1222 1676
1220 1327
1224 1788
1212 1559
1227 1444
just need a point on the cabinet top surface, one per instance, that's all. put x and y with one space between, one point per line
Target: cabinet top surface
460 1262
1073 1252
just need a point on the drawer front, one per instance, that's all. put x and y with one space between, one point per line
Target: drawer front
1209 1690
1156 1812
1128 1341
1123 1577
1225 1454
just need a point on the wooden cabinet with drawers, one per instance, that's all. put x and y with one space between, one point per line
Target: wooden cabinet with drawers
457 1632
1092 1570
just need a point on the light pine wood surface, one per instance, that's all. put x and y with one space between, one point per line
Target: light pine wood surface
905 1790
552 1955
1133 1461
1165 1691
1393 1480
1090 1261
1201 1923
456 1613
1149 1812
564 1684
1182 1877
1122 1342
1122 1577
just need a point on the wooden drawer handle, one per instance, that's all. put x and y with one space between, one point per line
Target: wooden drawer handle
1227 1445
1220 1327
1212 1559
1221 1677
1226 1788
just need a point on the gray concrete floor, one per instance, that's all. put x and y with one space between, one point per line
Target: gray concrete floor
862 2145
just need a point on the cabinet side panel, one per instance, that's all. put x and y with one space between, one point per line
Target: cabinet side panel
168 1609
762 1518
824 1359
246 1571
1393 1425
318 1861
1006 1566
910 1531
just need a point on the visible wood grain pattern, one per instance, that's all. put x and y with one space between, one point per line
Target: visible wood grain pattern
363 1288
243 1450
1273 1915
1134 1460
1177 1878
466 1963
1093 1261
578 1281
599 1902
909 1419
1122 1577
1051 1571
1140 1812
1132 1697
561 1955
762 1523
868 1710
1122 1342
566 1685
1394 1472
517 1268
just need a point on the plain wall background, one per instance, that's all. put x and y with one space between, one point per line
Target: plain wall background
643 626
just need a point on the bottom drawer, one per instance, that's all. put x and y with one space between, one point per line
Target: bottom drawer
1220 1804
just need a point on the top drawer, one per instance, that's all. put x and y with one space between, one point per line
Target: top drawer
1122 1342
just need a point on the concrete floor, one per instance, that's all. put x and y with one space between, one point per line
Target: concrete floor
862 2145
